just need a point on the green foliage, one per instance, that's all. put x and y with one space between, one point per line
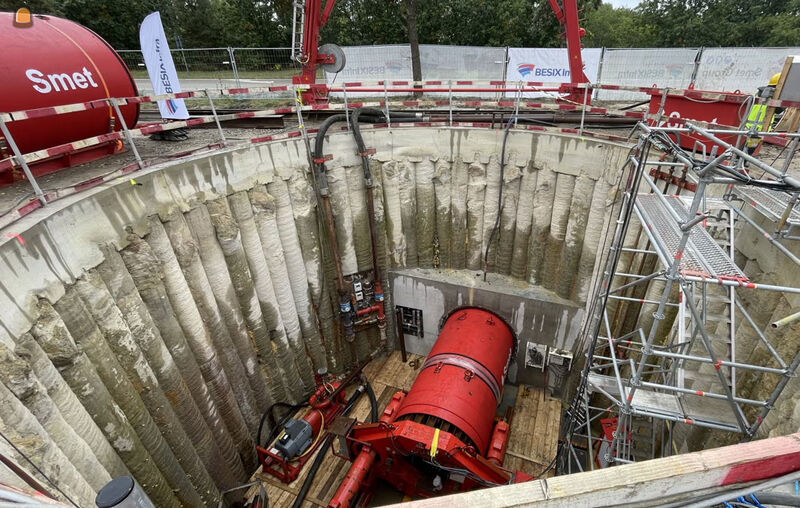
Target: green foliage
693 23
526 23
617 28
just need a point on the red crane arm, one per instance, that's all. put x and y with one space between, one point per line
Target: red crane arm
317 16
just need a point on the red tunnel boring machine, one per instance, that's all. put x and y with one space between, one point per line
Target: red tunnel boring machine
441 436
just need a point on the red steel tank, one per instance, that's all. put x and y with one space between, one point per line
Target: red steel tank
459 386
54 62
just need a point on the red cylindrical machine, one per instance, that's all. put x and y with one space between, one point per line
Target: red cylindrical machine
441 436
462 379
54 62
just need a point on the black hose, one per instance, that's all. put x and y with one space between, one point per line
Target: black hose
323 451
273 424
319 141
354 119
373 402
511 121
326 445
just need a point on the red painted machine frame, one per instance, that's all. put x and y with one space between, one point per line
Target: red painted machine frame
322 412
393 450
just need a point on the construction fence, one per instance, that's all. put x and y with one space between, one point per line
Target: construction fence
718 69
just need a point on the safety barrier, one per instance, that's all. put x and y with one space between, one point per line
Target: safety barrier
727 69
444 106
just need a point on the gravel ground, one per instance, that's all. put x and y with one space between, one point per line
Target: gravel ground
150 150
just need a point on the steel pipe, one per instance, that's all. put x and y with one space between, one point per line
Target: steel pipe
785 321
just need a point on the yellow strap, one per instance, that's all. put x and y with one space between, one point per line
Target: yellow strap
435 444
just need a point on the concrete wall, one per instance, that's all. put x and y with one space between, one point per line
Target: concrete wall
536 315
146 327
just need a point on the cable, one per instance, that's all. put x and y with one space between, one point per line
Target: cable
275 426
721 498
51 482
373 402
698 164
548 468
496 226
776 498
323 451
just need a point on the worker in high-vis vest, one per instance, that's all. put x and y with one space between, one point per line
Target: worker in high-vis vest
759 111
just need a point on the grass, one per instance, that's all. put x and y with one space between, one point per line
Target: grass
271 74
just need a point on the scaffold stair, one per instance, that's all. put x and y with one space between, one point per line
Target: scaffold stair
771 204
702 257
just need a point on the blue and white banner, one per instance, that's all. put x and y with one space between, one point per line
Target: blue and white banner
160 66
549 65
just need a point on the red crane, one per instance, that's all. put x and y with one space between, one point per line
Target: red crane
311 16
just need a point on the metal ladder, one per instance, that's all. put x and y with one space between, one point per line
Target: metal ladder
298 29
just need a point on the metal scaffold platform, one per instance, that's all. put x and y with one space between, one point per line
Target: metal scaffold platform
661 332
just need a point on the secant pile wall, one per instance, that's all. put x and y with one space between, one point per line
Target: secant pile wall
146 327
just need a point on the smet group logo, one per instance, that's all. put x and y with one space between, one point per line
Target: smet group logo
531 70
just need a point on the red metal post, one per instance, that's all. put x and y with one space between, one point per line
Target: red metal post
316 19
569 18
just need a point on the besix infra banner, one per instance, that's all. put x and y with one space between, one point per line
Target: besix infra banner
160 67
549 65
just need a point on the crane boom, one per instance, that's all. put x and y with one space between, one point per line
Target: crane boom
314 15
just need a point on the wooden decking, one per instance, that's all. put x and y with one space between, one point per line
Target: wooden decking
532 445
533 440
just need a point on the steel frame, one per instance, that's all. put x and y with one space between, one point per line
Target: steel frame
641 374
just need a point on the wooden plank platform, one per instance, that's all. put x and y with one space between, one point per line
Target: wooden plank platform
532 444
533 441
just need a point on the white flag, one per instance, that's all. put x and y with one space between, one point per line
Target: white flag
160 66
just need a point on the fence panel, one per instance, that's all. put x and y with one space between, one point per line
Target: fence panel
463 62
265 63
549 65
663 67
197 68
745 69
373 63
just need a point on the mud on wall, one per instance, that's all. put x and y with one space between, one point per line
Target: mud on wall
146 327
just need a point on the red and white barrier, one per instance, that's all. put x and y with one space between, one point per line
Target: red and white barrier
677 479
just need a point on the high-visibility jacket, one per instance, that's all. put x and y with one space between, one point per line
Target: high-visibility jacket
756 119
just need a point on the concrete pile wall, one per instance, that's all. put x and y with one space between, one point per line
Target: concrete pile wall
145 328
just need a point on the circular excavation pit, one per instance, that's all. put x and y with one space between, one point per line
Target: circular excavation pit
148 323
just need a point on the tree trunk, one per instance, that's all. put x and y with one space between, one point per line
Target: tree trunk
413 40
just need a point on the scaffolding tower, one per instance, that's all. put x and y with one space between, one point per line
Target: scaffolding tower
673 365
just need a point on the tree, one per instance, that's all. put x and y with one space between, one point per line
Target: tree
35 6
413 39
617 28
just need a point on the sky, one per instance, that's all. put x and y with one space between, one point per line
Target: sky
622 3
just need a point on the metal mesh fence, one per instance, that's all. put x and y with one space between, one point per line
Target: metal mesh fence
213 63
269 61
664 67
744 69
710 68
